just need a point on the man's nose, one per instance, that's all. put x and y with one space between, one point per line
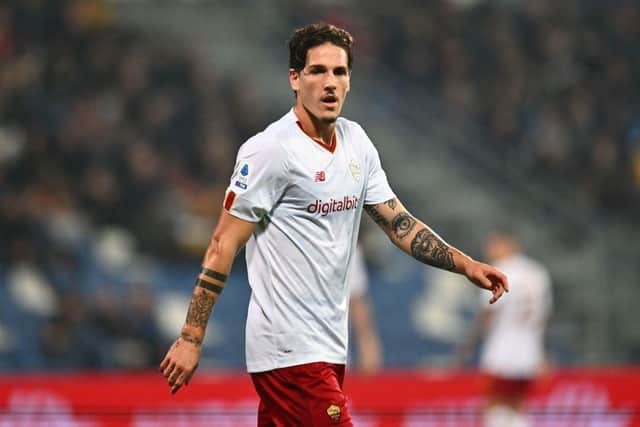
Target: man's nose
330 81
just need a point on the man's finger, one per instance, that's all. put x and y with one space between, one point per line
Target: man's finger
497 293
175 388
485 283
164 363
175 375
179 382
504 280
190 375
169 369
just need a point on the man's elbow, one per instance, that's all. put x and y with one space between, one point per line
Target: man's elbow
222 245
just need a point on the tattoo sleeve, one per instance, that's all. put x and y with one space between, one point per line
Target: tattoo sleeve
202 302
200 309
376 215
402 225
428 248
392 203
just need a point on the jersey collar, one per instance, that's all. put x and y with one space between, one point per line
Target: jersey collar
330 148
334 140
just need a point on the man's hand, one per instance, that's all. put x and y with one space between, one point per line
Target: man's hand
487 277
181 362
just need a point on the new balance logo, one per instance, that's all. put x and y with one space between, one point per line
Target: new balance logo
320 176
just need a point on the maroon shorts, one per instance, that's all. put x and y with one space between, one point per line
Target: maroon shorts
301 396
507 389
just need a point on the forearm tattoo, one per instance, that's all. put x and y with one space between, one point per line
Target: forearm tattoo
202 303
200 309
428 248
376 215
402 225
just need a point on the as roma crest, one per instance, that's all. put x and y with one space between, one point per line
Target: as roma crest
354 167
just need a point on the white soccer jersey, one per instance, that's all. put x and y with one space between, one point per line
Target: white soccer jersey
307 202
514 346
358 277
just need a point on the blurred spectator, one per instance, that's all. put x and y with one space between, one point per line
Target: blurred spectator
548 80
107 138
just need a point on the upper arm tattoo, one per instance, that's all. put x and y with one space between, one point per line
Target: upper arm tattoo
373 212
392 203
402 225
428 248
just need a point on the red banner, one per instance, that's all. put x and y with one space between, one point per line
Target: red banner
603 397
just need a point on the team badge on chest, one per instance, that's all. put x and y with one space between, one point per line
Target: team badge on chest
354 167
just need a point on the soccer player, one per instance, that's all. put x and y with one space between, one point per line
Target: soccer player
513 355
295 199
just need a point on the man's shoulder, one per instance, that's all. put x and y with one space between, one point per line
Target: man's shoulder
352 131
273 136
284 125
350 125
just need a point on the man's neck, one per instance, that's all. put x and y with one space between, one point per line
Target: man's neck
316 129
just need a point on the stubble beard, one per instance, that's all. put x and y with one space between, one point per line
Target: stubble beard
329 120
331 117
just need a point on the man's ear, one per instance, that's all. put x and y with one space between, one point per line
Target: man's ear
349 82
294 79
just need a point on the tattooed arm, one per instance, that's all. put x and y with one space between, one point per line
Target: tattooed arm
228 238
418 240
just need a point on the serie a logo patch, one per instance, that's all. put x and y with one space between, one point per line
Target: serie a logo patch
242 181
334 412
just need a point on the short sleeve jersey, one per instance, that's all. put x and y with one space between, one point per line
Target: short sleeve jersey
514 346
306 200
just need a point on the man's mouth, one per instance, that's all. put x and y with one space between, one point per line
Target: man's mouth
330 100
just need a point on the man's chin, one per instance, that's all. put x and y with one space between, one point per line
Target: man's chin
329 118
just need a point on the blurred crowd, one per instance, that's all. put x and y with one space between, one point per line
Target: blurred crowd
554 83
116 146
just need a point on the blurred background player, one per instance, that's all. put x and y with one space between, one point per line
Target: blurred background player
369 356
513 353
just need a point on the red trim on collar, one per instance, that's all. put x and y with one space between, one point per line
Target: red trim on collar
330 148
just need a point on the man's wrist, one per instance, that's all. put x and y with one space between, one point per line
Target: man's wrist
464 264
191 339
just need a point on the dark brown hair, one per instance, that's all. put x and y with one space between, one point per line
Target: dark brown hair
314 35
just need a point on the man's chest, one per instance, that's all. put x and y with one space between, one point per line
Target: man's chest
330 182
